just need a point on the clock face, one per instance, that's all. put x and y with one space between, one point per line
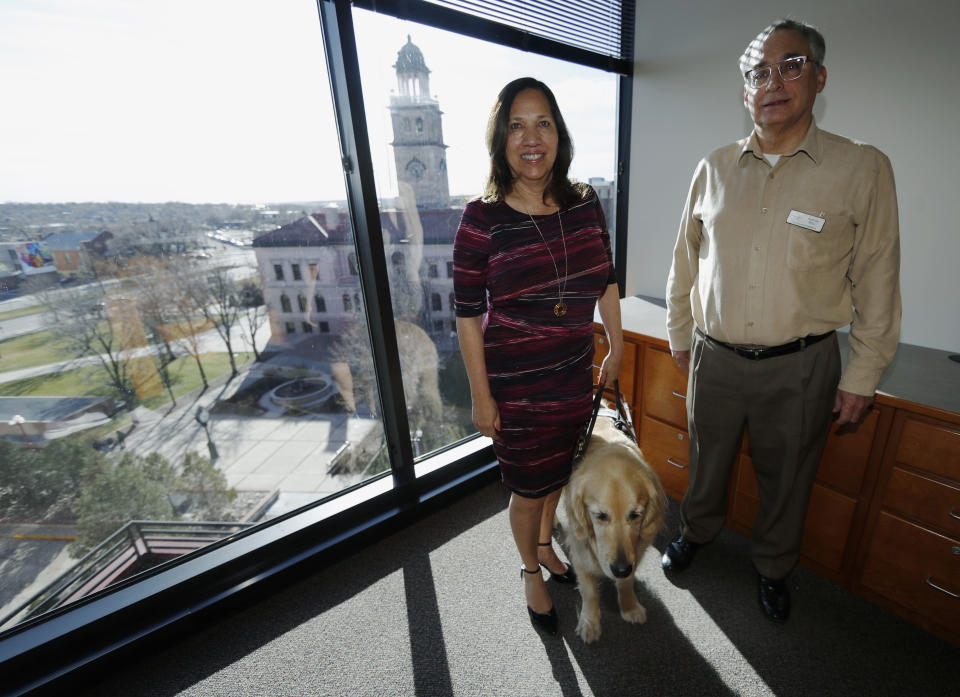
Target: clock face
416 168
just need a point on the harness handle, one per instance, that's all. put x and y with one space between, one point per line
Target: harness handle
622 422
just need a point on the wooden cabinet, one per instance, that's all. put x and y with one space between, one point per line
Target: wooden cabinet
666 448
839 500
910 557
663 423
884 513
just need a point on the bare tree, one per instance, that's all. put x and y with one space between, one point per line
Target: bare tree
87 325
251 320
187 296
155 284
219 302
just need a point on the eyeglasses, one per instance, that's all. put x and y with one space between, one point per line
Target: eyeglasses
789 69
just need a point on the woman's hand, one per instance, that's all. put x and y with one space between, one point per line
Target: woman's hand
609 369
486 416
609 307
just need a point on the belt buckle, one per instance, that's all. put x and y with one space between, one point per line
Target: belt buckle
756 353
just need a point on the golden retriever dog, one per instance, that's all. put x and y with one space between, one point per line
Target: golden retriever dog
614 506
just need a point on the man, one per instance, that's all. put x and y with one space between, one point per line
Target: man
787 235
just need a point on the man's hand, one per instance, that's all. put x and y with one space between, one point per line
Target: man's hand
850 408
682 359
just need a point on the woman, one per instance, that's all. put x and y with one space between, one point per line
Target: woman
531 261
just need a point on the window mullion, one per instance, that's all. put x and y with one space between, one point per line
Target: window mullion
622 177
344 71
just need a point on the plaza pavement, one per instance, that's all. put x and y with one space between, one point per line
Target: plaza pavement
272 452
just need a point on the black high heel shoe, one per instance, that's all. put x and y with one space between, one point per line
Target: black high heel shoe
568 576
546 621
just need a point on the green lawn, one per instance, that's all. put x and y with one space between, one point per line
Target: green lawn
185 375
39 348
23 312
92 380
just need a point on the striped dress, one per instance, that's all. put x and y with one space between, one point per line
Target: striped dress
539 365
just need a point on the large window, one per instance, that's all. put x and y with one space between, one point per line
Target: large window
427 94
179 379
163 400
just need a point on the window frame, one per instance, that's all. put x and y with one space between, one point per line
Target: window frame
95 632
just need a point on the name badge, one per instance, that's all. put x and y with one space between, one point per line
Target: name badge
805 220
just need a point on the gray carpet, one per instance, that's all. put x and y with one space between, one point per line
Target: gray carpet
436 609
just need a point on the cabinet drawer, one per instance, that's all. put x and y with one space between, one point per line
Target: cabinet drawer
628 367
925 500
844 460
826 528
847 453
664 387
667 449
931 447
906 561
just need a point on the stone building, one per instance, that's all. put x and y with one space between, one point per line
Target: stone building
309 267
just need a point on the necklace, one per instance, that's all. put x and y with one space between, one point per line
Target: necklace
560 309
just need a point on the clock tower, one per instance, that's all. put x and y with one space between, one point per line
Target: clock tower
418 149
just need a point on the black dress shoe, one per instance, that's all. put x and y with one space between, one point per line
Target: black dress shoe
544 621
678 554
774 598
568 576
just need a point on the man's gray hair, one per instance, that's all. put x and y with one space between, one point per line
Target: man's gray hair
754 51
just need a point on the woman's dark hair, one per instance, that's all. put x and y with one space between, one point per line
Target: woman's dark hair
500 181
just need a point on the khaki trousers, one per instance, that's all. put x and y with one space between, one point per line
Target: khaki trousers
786 402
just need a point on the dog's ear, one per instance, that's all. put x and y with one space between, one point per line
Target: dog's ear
656 506
577 512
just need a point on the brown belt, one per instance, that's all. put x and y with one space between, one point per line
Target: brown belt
758 354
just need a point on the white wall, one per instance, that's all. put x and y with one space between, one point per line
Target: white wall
892 81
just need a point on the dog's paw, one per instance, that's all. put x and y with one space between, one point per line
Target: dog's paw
588 628
637 614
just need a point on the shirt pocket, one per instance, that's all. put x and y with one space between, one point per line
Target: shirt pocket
827 250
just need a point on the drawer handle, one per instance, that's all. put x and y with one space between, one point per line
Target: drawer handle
942 590
677 394
954 515
676 464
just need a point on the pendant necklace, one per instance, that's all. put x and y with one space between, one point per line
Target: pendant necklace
560 309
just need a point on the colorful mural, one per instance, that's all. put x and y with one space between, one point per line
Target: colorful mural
35 257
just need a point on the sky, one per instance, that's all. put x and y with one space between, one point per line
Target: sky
228 101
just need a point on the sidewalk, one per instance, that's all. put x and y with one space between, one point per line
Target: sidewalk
291 454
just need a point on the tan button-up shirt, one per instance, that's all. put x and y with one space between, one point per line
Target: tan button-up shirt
750 267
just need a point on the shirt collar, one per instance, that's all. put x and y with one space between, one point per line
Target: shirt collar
810 145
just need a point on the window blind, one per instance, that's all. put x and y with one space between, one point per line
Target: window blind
599 26
596 33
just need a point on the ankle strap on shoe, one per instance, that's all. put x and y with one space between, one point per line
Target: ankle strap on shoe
548 543
528 571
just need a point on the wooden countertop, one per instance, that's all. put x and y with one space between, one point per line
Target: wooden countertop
918 374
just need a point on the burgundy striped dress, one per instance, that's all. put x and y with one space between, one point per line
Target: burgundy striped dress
539 365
